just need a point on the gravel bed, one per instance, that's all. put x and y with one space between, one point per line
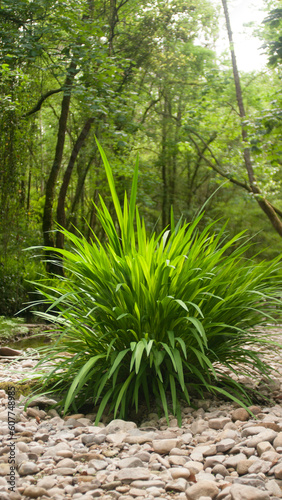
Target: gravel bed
219 453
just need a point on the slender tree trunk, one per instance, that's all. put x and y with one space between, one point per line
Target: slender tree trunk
41 154
164 166
262 202
173 166
51 182
61 214
28 189
78 191
112 24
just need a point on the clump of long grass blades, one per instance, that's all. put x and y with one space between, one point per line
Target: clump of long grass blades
144 318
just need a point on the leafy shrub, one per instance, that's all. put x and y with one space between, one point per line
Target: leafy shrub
148 316
15 289
12 290
16 266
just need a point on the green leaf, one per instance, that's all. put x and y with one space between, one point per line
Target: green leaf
170 353
148 346
118 361
111 184
80 379
122 392
163 399
103 405
173 392
183 346
196 307
182 304
138 357
157 359
179 367
119 286
132 203
110 347
199 328
99 386
171 338
123 315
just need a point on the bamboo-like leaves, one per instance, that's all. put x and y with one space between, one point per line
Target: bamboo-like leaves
142 316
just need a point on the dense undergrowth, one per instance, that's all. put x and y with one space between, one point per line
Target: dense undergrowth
148 316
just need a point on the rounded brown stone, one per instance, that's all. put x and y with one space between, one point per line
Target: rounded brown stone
85 479
34 492
240 414
75 416
203 488
271 425
245 492
255 409
32 412
28 468
164 446
67 462
278 471
243 467
177 472
277 443
64 453
8 351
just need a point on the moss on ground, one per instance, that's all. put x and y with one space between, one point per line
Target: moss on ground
21 388
11 327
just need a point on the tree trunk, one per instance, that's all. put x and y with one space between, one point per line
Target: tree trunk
78 191
164 167
28 190
262 202
61 214
174 155
47 225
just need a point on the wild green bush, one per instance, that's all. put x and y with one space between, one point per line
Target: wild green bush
148 316
14 288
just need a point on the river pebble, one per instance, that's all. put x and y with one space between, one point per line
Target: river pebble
221 452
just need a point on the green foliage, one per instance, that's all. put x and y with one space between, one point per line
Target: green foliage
12 293
145 317
9 327
15 290
273 32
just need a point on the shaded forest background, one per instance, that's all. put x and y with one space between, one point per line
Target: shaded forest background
144 78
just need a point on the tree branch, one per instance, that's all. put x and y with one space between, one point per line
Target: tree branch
263 203
223 174
43 98
148 109
233 109
8 17
121 4
200 157
276 210
217 166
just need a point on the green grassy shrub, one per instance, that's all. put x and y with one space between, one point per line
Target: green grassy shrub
148 316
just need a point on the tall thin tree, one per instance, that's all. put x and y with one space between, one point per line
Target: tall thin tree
263 202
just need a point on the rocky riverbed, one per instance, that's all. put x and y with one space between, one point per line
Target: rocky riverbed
219 453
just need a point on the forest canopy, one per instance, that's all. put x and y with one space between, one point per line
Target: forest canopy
145 79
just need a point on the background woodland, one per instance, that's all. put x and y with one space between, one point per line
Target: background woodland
144 78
